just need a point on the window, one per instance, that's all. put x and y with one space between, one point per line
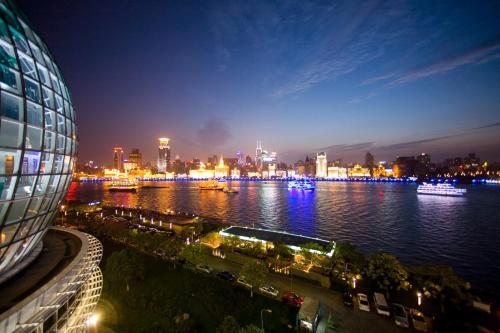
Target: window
50 120
60 144
17 209
12 106
68 146
31 162
41 186
32 90
4 34
55 84
8 233
44 75
53 182
34 206
27 65
9 79
59 104
49 141
9 161
48 97
7 55
25 186
60 124
11 133
7 187
11 19
20 41
36 52
34 114
58 163
34 138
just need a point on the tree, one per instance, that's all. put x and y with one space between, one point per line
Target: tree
255 273
250 329
228 325
124 266
231 241
387 271
348 261
195 253
307 251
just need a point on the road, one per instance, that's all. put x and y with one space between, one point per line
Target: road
349 320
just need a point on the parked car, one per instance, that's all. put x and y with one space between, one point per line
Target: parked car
292 298
241 280
204 268
381 305
400 315
269 291
226 276
418 320
347 298
363 303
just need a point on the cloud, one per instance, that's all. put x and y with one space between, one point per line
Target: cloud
214 132
478 55
416 143
489 125
348 147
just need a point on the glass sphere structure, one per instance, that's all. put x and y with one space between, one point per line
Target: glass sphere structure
37 137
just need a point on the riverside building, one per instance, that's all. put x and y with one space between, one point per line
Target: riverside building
49 277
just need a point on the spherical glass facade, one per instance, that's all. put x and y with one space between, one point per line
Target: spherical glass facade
37 137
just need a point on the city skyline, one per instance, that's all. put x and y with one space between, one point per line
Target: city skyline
344 79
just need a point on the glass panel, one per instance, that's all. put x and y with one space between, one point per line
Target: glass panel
53 182
68 127
44 74
48 97
50 120
58 163
48 62
7 55
32 90
11 133
47 162
27 65
68 146
41 186
36 53
55 83
4 34
34 207
25 186
60 124
17 210
60 144
67 159
9 161
59 104
62 183
33 138
7 185
34 114
20 41
8 233
46 203
31 162
11 19
9 79
49 141
12 106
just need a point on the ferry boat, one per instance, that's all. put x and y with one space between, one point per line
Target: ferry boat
212 185
301 185
123 186
440 189
229 191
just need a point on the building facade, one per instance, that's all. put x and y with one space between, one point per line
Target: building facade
118 159
321 165
164 155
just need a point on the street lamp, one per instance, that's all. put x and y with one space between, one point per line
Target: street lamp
354 282
419 298
92 321
262 316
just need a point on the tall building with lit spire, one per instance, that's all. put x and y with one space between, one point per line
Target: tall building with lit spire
163 154
221 170
118 158
321 165
258 155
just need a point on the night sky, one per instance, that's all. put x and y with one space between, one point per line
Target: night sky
394 78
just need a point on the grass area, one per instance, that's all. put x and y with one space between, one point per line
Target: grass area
163 293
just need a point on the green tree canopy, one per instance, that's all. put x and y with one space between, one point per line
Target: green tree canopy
250 329
124 266
228 325
387 271
255 273
195 253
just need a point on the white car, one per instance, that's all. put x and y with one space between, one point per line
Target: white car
363 303
241 280
269 291
204 268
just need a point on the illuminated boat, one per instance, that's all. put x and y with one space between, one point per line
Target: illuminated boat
301 185
229 191
212 185
440 189
123 186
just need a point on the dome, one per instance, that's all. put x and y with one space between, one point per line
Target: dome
37 137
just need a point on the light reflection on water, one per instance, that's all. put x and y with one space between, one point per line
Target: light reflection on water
461 231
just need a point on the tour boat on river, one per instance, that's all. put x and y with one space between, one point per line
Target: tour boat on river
212 185
301 185
124 185
440 189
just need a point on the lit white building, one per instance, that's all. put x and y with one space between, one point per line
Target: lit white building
337 172
321 165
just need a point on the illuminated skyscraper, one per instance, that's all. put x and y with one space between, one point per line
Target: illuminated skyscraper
321 165
258 155
163 154
135 156
118 158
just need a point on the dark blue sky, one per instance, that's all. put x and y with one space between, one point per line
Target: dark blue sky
394 78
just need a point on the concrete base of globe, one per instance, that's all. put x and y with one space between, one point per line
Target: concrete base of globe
59 290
